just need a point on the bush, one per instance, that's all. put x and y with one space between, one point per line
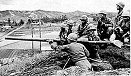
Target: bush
54 20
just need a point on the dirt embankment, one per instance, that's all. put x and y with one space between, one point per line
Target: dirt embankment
50 63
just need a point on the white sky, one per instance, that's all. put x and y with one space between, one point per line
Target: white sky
63 5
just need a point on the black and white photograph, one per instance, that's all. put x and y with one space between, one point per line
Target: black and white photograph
65 38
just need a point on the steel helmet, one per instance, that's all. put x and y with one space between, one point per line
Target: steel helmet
70 22
84 17
72 36
121 4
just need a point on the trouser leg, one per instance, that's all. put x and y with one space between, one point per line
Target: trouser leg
85 64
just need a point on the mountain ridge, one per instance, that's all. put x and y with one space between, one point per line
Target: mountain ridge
17 14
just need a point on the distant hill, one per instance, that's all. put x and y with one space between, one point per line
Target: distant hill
17 15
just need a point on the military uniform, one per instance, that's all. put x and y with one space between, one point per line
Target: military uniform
82 29
118 17
124 24
120 7
118 20
63 36
70 24
102 28
85 31
69 31
122 21
77 51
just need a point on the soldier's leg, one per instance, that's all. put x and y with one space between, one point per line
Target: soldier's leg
97 56
85 64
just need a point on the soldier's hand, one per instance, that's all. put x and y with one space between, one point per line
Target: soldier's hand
50 41
53 45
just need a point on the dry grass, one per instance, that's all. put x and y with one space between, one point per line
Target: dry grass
116 56
48 62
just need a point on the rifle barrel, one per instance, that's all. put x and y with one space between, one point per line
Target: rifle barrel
27 39
55 40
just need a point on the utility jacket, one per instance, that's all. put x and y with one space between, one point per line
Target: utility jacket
82 29
77 51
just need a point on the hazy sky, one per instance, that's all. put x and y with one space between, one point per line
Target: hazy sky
63 5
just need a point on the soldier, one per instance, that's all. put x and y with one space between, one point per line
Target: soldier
124 23
117 23
83 27
86 30
9 21
70 24
63 35
104 26
120 7
77 51
92 33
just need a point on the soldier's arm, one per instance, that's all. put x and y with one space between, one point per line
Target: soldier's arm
78 29
64 47
54 45
110 23
66 34
99 25
120 23
86 52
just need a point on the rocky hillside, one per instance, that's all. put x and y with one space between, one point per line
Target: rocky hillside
16 15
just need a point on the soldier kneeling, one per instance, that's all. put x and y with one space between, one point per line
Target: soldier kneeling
77 51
